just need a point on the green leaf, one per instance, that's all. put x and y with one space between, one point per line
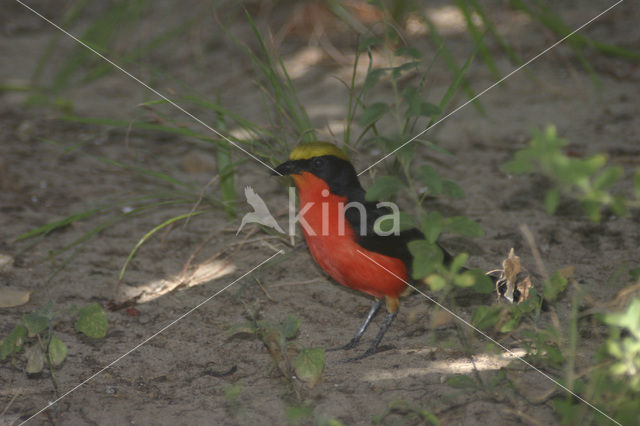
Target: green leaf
92 321
408 51
244 328
373 113
458 262
426 257
567 409
592 208
485 317
427 109
636 183
383 187
630 319
520 164
430 177
431 225
384 225
309 365
463 226
452 189
435 147
608 177
396 72
13 342
35 323
416 107
436 282
510 325
372 78
297 413
289 328
464 280
551 200
619 206
57 351
232 392
460 381
554 286
635 273
483 284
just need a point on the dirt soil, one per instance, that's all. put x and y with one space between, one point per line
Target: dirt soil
188 373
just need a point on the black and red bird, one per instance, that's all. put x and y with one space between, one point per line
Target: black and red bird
343 241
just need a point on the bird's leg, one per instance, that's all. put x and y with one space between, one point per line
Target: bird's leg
392 312
356 339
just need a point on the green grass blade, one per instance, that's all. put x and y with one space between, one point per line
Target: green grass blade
618 51
70 16
147 172
478 38
113 220
149 234
99 35
52 226
453 87
157 41
285 94
241 121
506 47
226 171
184 131
451 63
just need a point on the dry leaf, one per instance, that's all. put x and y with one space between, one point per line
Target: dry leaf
513 281
13 297
35 358
523 285
440 318
6 262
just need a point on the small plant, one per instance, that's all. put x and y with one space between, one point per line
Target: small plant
584 179
289 357
613 383
35 338
409 111
624 344
409 413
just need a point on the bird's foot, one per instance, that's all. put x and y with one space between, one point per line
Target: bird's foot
352 344
368 353
371 351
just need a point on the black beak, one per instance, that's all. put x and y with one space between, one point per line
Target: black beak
287 168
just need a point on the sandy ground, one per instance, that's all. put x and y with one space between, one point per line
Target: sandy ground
180 376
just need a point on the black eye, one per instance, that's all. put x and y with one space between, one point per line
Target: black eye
318 163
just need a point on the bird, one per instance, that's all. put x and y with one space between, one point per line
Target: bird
343 242
261 213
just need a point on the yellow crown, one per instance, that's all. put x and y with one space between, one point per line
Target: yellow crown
308 150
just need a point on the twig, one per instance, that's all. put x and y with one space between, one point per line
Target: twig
264 290
524 416
13 398
200 197
528 235
534 249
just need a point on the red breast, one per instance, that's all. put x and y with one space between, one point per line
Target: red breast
333 242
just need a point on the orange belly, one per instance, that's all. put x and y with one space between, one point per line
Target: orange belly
334 245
